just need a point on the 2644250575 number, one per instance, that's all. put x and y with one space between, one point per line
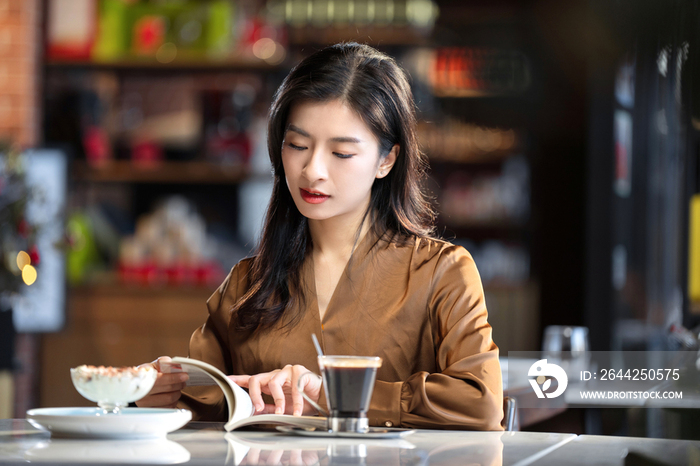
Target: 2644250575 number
640 374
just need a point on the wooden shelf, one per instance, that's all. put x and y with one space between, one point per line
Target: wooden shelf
118 289
493 158
105 283
465 93
482 95
124 171
150 64
372 35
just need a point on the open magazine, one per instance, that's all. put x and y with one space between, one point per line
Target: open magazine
240 406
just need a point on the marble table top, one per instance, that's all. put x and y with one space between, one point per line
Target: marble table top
209 444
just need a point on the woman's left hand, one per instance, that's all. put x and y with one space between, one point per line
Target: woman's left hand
281 385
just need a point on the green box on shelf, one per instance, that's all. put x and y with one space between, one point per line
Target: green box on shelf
167 31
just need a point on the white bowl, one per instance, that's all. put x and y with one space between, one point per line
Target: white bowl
113 387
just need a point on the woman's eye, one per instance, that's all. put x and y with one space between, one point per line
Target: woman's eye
295 147
342 156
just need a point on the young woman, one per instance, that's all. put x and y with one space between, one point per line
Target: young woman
347 253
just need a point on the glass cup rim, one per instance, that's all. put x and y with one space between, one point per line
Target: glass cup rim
329 360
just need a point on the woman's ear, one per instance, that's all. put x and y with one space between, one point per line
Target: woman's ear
388 162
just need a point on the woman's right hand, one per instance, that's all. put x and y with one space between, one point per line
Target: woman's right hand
282 386
166 389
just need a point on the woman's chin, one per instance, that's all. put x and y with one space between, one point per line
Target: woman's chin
310 211
314 216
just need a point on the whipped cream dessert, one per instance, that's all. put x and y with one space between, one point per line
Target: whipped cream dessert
113 387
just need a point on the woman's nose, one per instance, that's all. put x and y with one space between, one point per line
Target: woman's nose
315 167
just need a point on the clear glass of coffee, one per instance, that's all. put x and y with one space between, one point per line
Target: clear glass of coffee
348 382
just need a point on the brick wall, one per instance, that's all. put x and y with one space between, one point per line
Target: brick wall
20 35
20 46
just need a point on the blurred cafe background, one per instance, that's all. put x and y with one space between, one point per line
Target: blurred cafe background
562 138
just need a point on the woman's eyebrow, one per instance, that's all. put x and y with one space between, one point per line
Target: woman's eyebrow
346 139
300 131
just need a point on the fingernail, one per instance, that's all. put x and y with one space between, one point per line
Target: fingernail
183 377
278 410
259 408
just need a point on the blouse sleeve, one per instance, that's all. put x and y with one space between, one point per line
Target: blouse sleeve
467 392
209 343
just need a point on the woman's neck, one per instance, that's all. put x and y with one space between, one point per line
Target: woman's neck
337 237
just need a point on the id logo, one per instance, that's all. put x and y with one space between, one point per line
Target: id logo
543 374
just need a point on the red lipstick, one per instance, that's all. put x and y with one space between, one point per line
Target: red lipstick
312 196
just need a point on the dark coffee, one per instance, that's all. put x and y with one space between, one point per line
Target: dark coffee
349 389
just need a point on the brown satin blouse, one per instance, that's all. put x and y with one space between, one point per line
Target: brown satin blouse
418 305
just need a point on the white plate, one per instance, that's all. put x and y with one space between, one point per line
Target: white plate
374 432
91 422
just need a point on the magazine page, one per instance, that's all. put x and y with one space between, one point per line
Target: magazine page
239 404
280 419
197 377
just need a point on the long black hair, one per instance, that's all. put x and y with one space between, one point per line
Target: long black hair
377 89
